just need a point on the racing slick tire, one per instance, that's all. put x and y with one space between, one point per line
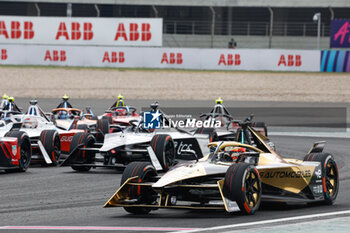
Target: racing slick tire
242 184
81 126
164 148
102 129
52 144
261 125
330 175
213 136
83 156
25 150
145 171
109 119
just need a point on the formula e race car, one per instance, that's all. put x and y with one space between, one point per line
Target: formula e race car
229 126
163 147
47 141
136 143
64 114
232 177
15 152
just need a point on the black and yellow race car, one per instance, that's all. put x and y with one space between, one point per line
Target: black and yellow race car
232 177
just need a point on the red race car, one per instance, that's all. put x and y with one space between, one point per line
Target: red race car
15 152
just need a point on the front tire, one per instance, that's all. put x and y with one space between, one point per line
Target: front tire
144 171
102 129
242 184
82 156
25 149
52 144
163 147
213 136
330 175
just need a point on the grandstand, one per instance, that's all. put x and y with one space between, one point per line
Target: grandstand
208 23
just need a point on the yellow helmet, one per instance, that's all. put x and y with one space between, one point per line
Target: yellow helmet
11 98
219 101
5 97
120 97
65 97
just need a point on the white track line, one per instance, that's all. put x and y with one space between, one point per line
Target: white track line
279 220
312 134
94 228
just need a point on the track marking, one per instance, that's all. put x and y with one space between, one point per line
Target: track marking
312 134
278 220
95 228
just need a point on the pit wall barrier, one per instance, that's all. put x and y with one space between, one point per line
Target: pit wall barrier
153 57
335 61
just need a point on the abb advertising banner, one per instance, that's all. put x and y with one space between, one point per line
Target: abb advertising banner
176 58
81 31
340 33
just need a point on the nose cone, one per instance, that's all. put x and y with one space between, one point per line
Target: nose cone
181 173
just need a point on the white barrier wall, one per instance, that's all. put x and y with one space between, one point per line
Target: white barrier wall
177 58
81 31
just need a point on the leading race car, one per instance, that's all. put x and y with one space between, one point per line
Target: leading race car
232 177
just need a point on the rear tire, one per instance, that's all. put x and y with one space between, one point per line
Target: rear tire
81 126
330 175
102 129
242 184
213 136
82 156
163 147
25 150
52 144
144 170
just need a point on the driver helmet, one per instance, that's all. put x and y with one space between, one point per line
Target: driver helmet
10 104
4 101
219 101
65 97
30 123
62 115
11 99
120 102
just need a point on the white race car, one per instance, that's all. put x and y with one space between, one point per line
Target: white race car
46 139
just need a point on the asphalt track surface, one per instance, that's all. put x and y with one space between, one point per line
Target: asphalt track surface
60 197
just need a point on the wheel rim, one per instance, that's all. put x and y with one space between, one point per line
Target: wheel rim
331 178
57 148
25 155
169 154
252 189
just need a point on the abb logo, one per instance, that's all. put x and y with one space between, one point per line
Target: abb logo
172 58
229 61
3 54
113 57
55 55
293 60
77 31
17 30
134 32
